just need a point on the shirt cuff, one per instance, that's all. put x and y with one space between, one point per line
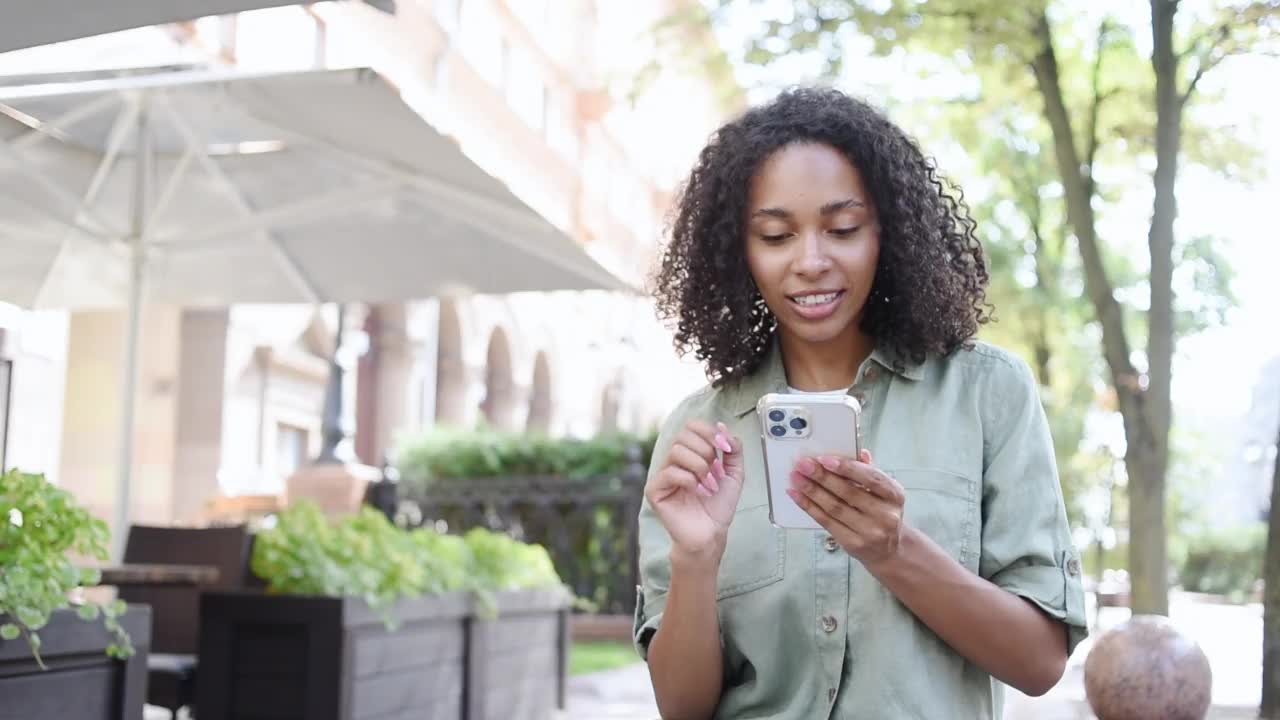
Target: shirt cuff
1055 589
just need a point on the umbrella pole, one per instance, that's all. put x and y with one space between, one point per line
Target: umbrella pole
133 333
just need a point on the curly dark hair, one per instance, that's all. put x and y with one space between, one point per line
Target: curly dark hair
929 293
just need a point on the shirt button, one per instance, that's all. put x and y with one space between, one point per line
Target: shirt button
831 695
870 374
1073 566
828 624
830 544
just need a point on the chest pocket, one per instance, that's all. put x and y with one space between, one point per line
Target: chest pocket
946 507
754 554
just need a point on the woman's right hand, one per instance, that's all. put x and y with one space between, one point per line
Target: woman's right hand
695 493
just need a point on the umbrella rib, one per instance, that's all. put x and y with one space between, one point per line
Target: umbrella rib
101 229
514 215
50 129
170 190
451 195
124 122
286 261
309 210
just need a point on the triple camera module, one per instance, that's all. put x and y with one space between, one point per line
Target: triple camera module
788 422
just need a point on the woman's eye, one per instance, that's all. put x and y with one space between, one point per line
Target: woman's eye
774 238
844 232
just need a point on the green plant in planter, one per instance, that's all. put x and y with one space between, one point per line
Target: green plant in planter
40 524
364 555
361 555
503 563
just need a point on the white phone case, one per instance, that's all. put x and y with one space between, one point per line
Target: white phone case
830 428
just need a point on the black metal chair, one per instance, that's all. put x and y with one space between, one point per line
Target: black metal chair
175 609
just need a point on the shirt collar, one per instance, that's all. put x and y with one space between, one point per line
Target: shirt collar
771 376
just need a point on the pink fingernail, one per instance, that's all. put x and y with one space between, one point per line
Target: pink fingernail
703 491
830 463
711 483
805 466
723 443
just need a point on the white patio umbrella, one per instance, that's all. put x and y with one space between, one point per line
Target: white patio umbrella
27 23
195 187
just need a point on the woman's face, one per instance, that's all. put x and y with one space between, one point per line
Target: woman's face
812 241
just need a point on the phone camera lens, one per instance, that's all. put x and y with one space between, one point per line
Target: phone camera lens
776 415
798 423
778 430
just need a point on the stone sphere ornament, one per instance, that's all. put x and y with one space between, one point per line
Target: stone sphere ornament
1144 669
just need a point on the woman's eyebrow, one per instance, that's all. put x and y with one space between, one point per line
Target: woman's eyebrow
828 209
837 206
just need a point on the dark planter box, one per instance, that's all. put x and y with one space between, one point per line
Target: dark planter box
518 661
81 682
281 657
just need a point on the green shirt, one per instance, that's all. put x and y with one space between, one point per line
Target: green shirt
806 631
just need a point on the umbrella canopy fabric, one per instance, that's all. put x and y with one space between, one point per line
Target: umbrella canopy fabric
200 187
27 23
296 187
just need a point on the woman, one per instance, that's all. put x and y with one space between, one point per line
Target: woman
816 249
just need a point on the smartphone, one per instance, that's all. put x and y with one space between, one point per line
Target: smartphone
795 426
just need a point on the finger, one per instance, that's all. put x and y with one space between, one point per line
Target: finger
820 515
733 462
831 503
704 431
850 491
670 480
870 478
690 459
692 438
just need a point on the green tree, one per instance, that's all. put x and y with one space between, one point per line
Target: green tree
1080 89
1270 709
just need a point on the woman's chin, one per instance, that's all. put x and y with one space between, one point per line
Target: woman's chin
821 333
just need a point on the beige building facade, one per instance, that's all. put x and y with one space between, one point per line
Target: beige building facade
539 93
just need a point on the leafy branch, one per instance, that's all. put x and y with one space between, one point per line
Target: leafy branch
40 526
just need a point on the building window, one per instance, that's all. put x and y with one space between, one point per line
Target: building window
291 449
6 377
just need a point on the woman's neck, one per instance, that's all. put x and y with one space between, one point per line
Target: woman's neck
828 365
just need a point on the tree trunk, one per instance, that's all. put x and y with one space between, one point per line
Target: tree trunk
1145 433
1271 602
1147 544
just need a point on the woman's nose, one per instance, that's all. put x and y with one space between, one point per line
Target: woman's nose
814 258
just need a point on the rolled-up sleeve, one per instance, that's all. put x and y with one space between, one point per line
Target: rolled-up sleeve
655 544
1026 540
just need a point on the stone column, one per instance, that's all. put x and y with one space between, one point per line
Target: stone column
201 391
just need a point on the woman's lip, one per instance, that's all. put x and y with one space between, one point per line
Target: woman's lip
818 312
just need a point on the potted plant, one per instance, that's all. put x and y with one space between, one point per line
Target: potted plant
358 619
361 618
518 635
51 659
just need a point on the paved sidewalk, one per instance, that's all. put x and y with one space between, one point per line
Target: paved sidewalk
620 694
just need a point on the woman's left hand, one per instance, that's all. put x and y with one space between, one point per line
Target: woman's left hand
854 501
